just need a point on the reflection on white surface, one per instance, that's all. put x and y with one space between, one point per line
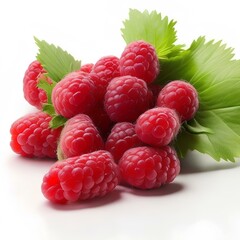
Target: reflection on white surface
21 224
199 230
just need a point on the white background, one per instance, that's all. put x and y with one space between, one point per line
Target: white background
202 203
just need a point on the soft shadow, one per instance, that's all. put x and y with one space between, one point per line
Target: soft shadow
164 190
17 159
196 162
30 159
110 198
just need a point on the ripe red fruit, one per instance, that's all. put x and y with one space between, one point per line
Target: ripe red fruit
32 137
34 95
79 136
157 126
87 68
74 94
126 98
148 168
106 68
82 177
122 138
139 59
180 96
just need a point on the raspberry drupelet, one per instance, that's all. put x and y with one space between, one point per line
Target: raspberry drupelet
87 68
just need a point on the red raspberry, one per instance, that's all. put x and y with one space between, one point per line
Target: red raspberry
122 138
34 95
140 59
106 68
81 177
74 94
87 68
180 96
148 168
32 137
79 136
158 126
126 98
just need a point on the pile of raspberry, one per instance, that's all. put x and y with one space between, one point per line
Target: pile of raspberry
120 125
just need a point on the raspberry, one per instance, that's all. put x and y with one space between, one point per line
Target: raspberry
87 68
180 96
81 177
140 59
79 136
126 98
74 94
122 138
32 137
34 95
157 126
106 68
148 167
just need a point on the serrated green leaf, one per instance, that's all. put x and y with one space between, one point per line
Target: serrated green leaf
153 28
57 121
47 87
55 60
210 68
49 109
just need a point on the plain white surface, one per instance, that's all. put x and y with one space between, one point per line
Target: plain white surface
202 203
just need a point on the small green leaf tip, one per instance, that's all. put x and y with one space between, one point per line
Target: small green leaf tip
55 60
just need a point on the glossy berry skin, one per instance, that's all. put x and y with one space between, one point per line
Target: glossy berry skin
126 98
74 94
140 59
32 137
34 95
180 96
122 138
106 68
79 136
157 126
87 68
148 167
82 177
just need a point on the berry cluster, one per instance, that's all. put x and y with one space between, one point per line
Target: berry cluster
120 125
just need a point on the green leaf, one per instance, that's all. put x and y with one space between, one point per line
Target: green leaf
55 60
153 28
49 109
211 69
47 87
57 121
